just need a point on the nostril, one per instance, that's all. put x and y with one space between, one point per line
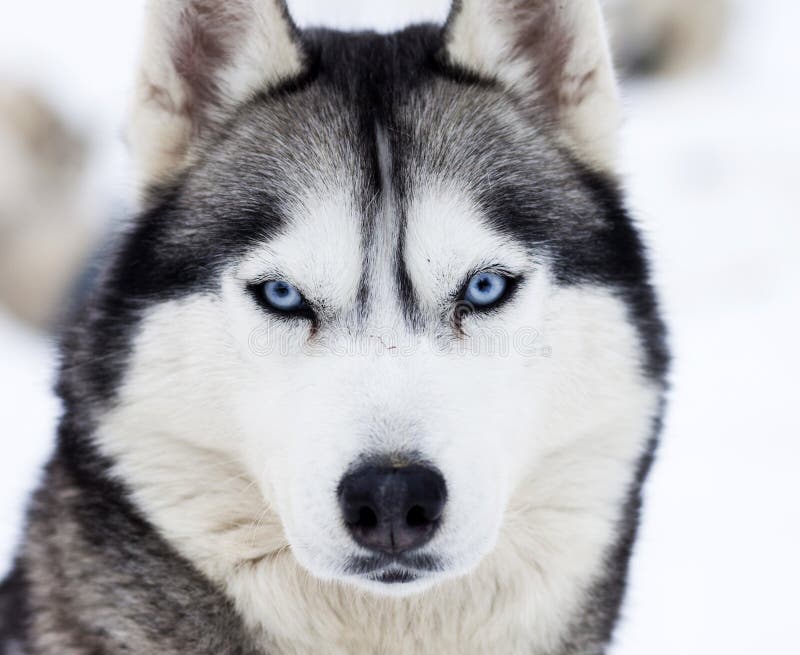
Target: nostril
417 517
366 518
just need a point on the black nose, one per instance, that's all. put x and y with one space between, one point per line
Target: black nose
392 510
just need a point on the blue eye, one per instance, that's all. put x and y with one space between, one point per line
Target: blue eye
485 289
282 296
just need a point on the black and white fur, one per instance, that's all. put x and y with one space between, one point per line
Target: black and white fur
190 506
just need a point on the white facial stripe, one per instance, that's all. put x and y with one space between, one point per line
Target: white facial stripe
382 256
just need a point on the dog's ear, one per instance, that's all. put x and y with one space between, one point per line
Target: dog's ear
553 55
201 59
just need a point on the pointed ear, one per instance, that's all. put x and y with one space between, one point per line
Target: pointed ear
553 55
201 59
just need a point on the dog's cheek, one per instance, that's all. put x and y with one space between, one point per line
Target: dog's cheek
300 441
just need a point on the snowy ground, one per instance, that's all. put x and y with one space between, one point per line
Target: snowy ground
713 164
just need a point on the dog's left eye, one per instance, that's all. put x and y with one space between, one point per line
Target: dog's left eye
486 289
282 296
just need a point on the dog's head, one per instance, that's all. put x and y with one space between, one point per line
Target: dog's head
382 298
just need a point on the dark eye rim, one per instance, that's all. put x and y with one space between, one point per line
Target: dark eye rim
304 311
462 304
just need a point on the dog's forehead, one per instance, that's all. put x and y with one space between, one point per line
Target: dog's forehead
367 198
380 157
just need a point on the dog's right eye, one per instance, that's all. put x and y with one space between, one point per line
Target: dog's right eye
282 297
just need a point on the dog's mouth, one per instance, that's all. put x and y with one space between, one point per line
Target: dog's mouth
393 570
394 576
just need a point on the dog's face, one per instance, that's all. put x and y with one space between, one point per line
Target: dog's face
386 295
388 335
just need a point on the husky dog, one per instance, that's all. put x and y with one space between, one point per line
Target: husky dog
377 369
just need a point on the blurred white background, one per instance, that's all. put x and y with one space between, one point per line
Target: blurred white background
712 161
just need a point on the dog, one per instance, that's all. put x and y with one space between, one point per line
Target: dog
377 368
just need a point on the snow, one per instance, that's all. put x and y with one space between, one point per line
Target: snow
713 166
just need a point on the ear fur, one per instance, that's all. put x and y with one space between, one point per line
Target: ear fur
200 60
554 55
